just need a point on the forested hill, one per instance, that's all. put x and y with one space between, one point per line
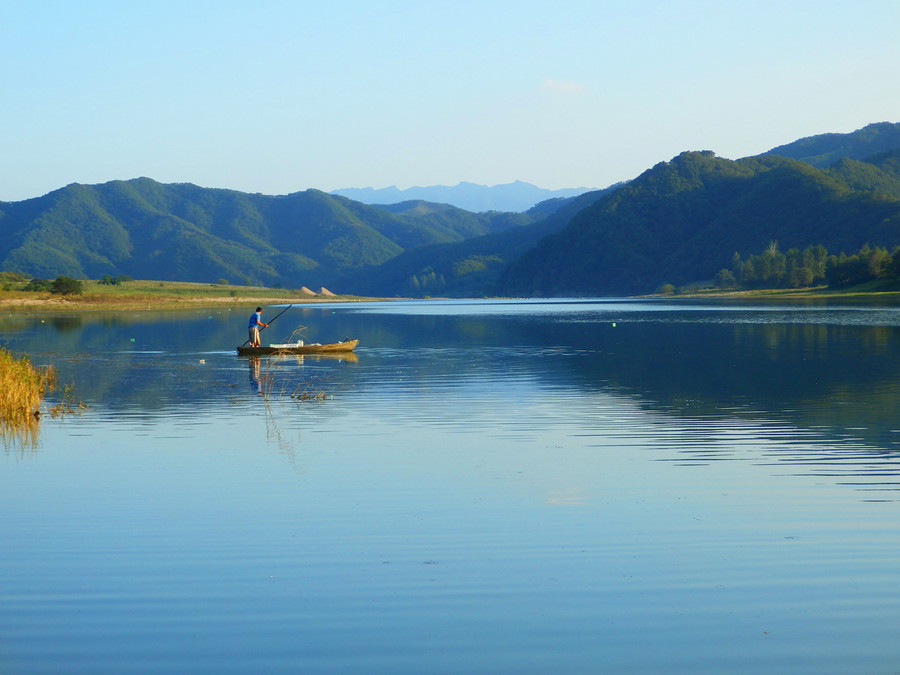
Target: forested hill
683 220
679 222
465 268
645 235
825 149
145 229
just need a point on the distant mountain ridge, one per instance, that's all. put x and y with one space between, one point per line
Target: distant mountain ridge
470 267
679 222
516 197
149 230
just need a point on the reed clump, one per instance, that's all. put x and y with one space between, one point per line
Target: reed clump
22 387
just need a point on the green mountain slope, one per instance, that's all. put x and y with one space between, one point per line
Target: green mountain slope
467 268
146 229
825 149
682 220
880 173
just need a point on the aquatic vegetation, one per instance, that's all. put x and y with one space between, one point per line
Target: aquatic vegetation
273 380
305 391
68 405
22 387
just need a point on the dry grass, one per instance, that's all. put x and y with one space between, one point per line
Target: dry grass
159 294
22 387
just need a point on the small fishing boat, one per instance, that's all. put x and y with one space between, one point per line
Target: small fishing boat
299 348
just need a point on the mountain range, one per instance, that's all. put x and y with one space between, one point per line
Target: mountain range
679 221
144 229
517 196
682 221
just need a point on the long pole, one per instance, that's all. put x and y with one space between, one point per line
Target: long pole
270 323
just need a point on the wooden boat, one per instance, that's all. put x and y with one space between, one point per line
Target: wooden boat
300 348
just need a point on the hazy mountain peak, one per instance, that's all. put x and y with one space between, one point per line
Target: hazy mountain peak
516 196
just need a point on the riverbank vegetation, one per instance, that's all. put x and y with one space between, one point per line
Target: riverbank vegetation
22 388
127 293
813 266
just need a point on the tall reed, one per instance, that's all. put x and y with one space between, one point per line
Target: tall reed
22 386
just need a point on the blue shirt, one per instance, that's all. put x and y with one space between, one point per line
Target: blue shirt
255 318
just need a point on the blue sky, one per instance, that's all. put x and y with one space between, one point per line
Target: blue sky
280 96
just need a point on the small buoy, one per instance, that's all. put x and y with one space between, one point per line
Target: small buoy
614 324
132 339
202 360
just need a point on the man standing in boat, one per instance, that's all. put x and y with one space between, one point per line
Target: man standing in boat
255 323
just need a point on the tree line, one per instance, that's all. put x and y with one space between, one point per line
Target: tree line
813 266
63 285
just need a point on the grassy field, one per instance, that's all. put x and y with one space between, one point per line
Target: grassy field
159 294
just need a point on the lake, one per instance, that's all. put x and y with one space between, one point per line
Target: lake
584 486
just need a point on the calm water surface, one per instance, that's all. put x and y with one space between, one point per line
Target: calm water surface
489 487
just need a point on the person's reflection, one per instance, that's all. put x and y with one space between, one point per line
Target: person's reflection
255 378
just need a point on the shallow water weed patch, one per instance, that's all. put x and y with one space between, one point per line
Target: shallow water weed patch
68 405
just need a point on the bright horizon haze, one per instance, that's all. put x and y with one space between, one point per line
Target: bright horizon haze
278 96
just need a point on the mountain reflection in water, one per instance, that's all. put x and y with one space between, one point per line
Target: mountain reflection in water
485 486
819 367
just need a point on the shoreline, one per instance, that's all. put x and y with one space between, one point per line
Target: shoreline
184 295
146 295
817 293
92 304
